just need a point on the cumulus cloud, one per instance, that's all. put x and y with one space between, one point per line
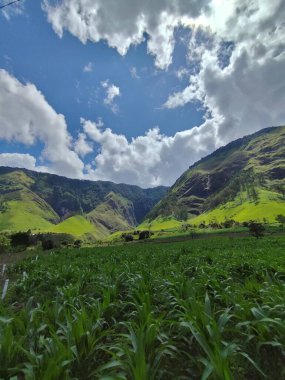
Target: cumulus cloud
81 146
124 23
236 52
17 160
26 117
88 68
236 64
112 92
239 81
149 160
182 72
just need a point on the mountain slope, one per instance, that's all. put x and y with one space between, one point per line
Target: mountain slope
41 201
243 180
116 213
21 207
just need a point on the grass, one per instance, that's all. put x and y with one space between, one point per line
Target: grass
209 308
160 224
241 209
75 225
22 215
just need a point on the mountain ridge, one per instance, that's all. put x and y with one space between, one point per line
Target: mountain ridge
251 168
32 199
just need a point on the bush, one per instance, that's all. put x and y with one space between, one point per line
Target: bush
256 229
4 244
47 244
77 243
144 235
280 219
229 223
21 239
127 237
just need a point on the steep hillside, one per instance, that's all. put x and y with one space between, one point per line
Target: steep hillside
20 207
41 201
243 180
116 213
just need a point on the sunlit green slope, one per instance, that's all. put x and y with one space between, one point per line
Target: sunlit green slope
20 208
48 203
243 180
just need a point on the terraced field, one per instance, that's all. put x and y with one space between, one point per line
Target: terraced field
210 309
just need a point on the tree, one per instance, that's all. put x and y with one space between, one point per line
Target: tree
77 243
280 219
22 239
144 235
182 214
229 223
127 237
256 229
47 244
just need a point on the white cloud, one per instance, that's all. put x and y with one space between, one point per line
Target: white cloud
134 73
247 92
112 92
182 72
123 23
81 146
17 160
237 50
27 118
149 160
88 68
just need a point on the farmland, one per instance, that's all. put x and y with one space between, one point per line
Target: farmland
209 308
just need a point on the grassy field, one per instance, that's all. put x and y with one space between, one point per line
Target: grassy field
23 213
160 224
76 225
209 308
268 206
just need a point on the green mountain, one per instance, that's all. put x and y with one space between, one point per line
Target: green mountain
244 180
50 203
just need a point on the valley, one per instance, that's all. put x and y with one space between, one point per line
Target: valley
117 282
240 182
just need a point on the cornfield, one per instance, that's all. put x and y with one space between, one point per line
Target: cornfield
205 309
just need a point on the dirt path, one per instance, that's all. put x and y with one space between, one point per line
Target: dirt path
11 258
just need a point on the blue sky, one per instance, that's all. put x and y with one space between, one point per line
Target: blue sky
55 66
174 75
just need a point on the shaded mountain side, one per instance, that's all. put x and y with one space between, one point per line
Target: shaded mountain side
32 200
116 213
240 170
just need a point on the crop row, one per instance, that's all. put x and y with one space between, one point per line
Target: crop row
206 309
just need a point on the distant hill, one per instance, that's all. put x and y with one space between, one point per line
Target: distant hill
243 180
45 202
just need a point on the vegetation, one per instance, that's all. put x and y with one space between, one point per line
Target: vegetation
244 180
241 209
23 239
280 219
75 225
256 229
41 202
211 309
